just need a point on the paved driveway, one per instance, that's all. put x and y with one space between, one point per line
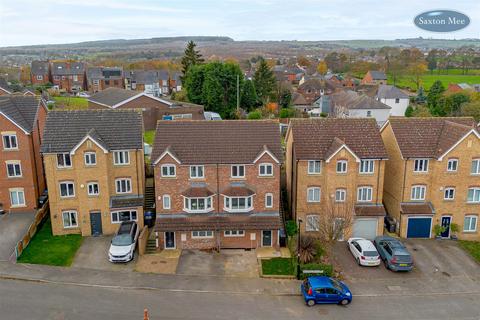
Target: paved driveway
234 263
13 226
93 254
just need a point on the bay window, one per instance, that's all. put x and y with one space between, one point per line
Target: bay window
238 203
198 205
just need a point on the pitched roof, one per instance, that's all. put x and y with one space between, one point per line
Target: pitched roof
112 96
386 91
65 129
67 68
370 210
321 138
5 86
39 67
20 109
416 208
429 137
378 75
222 142
352 100
298 99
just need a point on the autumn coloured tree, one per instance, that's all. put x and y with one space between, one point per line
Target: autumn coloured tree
322 68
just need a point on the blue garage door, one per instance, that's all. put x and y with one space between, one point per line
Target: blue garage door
419 227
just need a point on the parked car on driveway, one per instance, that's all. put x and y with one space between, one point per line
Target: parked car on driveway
364 252
124 242
394 254
83 95
321 289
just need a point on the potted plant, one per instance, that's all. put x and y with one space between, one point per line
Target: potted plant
438 230
454 228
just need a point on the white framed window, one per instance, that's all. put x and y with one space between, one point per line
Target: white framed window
420 165
64 160
39 77
364 194
313 223
418 193
265 170
452 165
168 170
470 223
475 166
121 157
313 194
123 185
67 189
166 202
268 200
124 215
473 195
341 166
314 166
14 169
197 172
90 158
93 189
234 233
238 204
10 141
367 166
70 219
17 197
238 171
198 205
340 195
449 193
202 234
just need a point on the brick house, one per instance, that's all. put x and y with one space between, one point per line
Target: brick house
40 72
68 76
153 108
101 78
22 180
217 184
374 77
4 87
334 168
432 176
94 164
313 88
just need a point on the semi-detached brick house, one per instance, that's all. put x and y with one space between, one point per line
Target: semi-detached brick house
94 164
335 168
22 120
68 76
153 108
433 175
217 184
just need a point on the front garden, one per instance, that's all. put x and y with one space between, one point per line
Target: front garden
472 247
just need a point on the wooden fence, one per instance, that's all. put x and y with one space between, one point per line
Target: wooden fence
22 244
142 241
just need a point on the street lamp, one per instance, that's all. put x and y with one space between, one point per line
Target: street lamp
298 247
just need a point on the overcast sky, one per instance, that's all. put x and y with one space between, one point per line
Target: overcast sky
24 22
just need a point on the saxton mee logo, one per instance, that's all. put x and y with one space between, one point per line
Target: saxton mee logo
441 20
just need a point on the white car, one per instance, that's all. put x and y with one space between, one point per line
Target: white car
83 95
364 252
124 242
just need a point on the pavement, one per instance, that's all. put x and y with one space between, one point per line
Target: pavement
13 227
164 262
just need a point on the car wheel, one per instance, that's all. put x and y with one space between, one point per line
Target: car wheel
310 303
358 261
386 264
344 302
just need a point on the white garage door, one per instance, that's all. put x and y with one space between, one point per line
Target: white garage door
365 228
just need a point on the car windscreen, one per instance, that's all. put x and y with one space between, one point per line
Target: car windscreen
337 285
370 253
122 240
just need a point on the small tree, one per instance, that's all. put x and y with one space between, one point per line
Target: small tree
264 81
255 115
190 57
322 68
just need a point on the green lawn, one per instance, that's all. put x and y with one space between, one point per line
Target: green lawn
429 79
278 266
77 103
472 247
149 136
44 248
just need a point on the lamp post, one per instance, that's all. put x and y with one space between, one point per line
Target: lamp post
298 246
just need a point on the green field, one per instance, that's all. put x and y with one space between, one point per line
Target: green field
428 80
72 103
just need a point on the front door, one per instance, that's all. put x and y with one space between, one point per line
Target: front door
446 224
170 240
266 238
96 223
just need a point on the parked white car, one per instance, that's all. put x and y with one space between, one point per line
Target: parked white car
83 95
364 251
124 242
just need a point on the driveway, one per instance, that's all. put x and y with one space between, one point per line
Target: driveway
93 254
229 262
13 227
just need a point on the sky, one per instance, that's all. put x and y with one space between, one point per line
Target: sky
28 22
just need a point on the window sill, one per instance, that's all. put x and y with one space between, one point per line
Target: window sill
64 168
366 173
238 178
267 176
314 174
72 227
11 150
121 164
67 198
172 177
19 206
313 201
16 177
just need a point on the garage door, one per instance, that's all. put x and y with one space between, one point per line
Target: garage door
419 227
365 228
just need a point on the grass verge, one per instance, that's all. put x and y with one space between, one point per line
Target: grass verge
71 103
278 266
149 136
45 248
472 247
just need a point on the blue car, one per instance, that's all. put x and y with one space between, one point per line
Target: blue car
321 289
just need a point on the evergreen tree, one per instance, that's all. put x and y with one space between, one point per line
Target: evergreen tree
420 98
433 99
191 57
285 98
249 99
264 81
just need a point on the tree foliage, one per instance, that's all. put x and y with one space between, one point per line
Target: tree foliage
434 97
249 99
322 68
264 81
191 57
255 115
